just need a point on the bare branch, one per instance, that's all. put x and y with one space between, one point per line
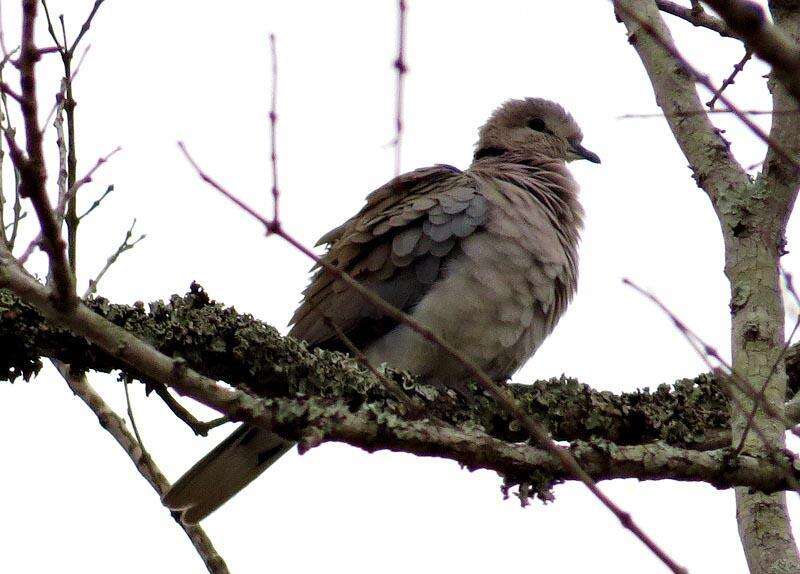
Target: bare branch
402 69
65 198
199 427
85 26
695 17
273 121
730 79
97 202
748 20
126 245
115 426
32 168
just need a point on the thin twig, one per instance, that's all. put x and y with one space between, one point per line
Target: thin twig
200 428
97 202
67 55
63 201
72 77
50 26
61 182
3 37
87 23
273 122
125 382
6 90
22 216
126 245
686 113
9 131
731 78
402 69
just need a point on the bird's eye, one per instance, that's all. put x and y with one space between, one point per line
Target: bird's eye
537 124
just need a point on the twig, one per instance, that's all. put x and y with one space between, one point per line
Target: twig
115 426
63 201
400 66
50 26
687 113
61 183
730 79
123 247
72 77
21 217
6 90
509 404
87 178
695 16
3 37
748 20
87 23
125 382
199 427
273 121
97 202
10 132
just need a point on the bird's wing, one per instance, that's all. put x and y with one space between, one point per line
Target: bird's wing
396 246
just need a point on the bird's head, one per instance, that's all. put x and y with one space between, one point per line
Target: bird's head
532 127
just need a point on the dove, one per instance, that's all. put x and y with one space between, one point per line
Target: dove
485 257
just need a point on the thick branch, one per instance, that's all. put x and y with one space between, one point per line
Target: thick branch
349 404
240 350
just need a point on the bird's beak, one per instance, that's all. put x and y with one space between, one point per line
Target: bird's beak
581 152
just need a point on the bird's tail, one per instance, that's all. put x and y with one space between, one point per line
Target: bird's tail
224 471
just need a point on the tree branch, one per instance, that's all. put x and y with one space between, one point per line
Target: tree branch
748 21
700 18
253 356
714 168
115 426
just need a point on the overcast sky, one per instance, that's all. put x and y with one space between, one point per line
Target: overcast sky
198 71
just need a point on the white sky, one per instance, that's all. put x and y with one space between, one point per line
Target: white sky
198 71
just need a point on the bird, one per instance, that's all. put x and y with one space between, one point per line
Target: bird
486 257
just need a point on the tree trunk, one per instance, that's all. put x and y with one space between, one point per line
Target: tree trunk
757 339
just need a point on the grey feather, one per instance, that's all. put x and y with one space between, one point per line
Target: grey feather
486 257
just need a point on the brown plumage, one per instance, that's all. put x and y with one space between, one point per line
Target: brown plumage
486 257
